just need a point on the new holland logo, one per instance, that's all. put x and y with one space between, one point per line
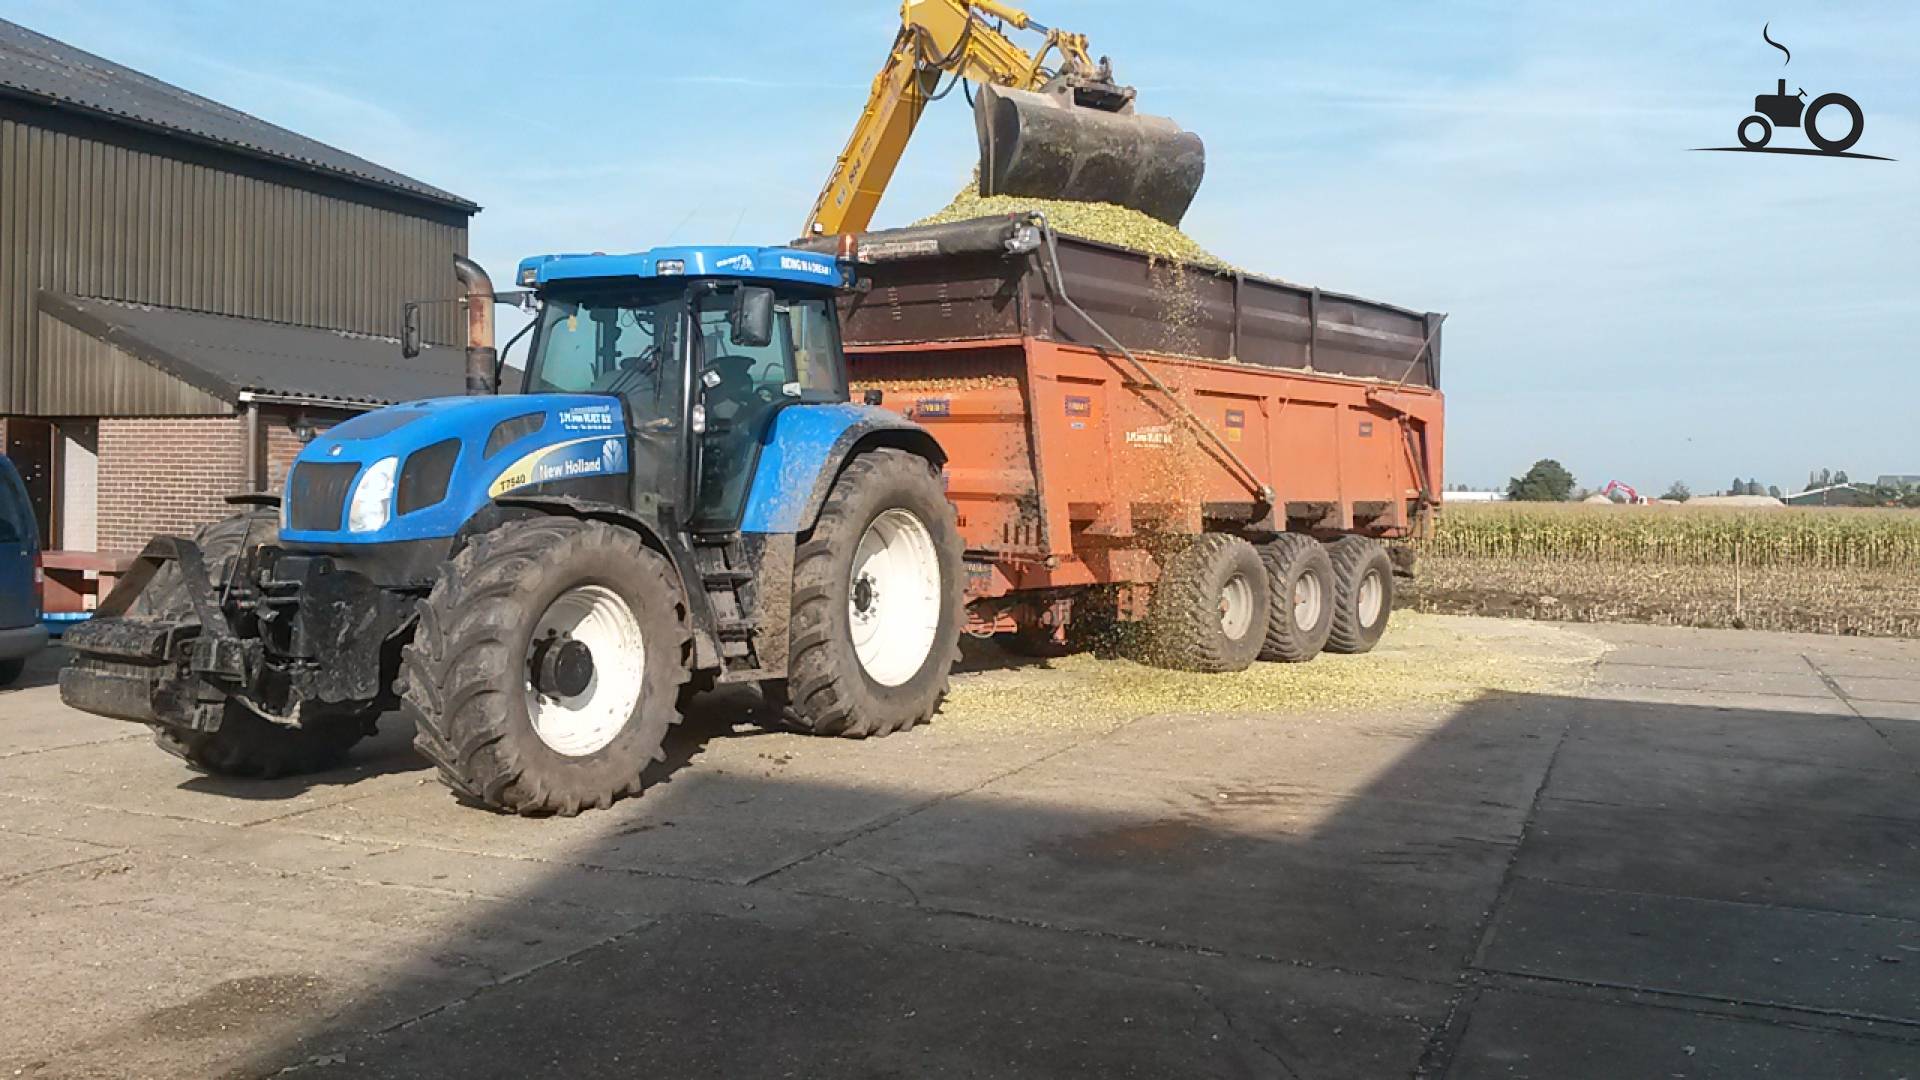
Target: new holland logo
735 262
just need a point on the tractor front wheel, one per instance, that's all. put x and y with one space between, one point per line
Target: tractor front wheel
876 603
547 665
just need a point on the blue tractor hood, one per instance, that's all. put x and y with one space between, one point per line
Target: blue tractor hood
450 457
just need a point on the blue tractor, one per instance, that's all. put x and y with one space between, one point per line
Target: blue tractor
681 495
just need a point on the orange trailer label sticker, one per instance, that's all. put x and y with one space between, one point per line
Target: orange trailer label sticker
935 406
1236 424
1079 406
1153 436
1366 429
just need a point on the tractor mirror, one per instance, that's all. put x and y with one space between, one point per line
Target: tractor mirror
410 330
752 316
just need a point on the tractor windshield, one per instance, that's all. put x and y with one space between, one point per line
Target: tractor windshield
607 344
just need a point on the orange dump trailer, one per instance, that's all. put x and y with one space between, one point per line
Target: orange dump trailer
1102 412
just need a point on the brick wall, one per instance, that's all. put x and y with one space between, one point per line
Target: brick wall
168 475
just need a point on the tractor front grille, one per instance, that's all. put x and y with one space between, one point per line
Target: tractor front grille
317 494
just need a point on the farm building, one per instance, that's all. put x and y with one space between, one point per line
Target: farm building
186 291
1833 495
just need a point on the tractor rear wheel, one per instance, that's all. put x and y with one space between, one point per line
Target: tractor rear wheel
547 664
245 744
1362 593
1300 584
876 603
1209 611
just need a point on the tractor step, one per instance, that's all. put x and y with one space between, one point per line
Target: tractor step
724 580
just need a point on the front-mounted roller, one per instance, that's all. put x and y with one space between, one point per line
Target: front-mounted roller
1082 142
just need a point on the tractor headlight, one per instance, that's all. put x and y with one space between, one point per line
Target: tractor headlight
372 505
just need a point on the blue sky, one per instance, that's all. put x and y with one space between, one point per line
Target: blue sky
1633 309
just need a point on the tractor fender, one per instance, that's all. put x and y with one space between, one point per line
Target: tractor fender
585 509
806 451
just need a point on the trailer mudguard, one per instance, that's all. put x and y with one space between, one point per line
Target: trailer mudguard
807 447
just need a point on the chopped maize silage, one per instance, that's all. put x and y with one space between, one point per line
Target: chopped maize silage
1423 659
1102 222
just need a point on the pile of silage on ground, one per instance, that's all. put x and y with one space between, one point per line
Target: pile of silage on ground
1102 222
1423 659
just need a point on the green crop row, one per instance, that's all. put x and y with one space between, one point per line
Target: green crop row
1677 535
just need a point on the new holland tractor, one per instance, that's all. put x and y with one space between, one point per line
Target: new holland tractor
681 495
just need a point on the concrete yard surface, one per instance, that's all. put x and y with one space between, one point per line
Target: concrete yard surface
1491 849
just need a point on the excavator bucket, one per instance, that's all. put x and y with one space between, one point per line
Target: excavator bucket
1045 146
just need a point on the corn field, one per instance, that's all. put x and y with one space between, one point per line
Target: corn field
1675 535
1816 570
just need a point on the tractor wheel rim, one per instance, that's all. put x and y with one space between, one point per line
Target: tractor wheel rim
1236 607
580 724
893 597
1307 602
1372 596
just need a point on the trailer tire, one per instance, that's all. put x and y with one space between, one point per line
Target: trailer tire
245 744
469 683
1209 611
883 497
1362 593
1300 585
11 670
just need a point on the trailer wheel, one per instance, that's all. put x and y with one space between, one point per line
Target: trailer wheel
545 670
876 603
1209 611
1300 583
1362 593
245 744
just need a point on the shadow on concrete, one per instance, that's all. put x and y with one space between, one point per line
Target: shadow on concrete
1540 886
43 669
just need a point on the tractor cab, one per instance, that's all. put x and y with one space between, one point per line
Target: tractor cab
703 348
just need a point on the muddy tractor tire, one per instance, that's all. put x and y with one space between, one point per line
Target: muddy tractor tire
1209 611
245 744
877 590
1300 588
546 667
1362 593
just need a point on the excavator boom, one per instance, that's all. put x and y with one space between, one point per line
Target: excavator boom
1065 131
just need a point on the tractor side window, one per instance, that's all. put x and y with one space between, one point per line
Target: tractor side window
817 363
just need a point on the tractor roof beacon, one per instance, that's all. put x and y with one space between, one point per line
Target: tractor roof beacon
680 494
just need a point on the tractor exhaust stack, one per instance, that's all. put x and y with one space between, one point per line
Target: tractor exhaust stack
477 295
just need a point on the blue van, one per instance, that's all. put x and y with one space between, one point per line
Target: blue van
21 634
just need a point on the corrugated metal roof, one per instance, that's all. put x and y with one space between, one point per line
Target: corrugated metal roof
40 68
223 356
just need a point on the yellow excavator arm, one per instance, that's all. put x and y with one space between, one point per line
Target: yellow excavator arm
964 39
